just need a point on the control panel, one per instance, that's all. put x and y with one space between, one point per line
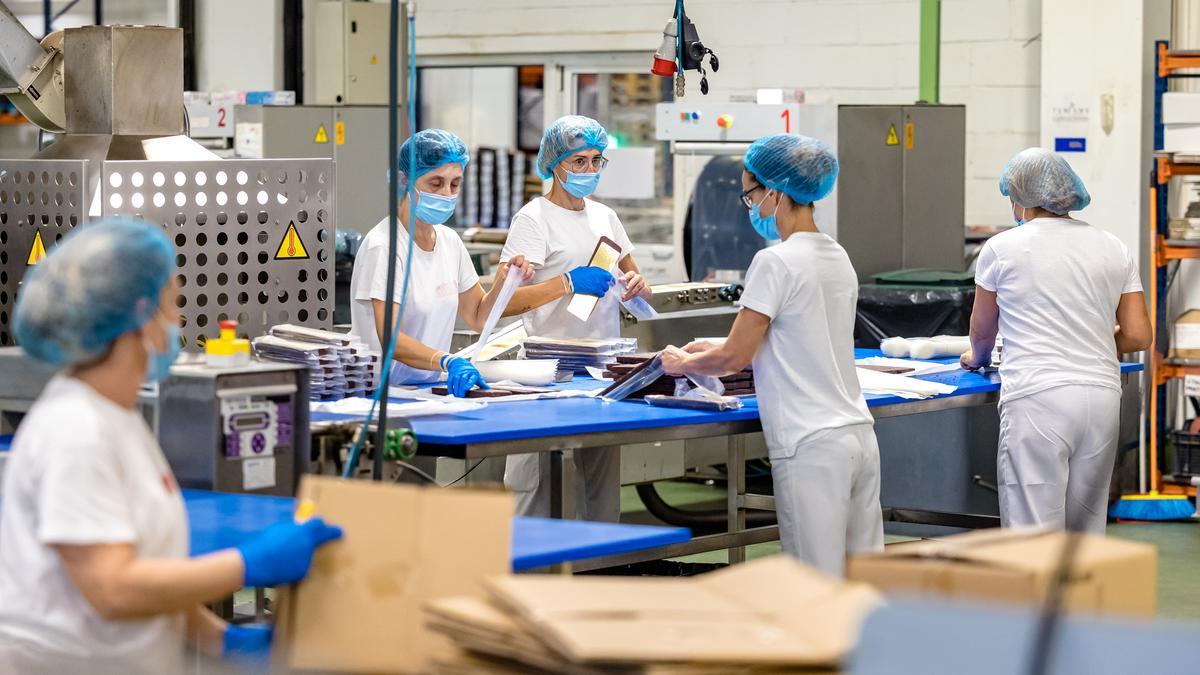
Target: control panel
731 122
256 426
695 295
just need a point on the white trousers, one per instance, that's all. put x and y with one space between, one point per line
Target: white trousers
1056 456
827 497
597 484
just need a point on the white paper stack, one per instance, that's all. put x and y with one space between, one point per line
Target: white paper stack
338 368
577 354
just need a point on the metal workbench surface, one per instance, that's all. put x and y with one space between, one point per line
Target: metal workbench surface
506 428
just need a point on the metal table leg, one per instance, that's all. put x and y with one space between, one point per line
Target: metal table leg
735 490
560 466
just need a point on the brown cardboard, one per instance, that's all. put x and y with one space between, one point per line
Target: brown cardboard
359 609
1185 338
1111 576
771 611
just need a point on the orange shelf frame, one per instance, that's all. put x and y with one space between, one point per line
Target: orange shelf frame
1165 252
1169 62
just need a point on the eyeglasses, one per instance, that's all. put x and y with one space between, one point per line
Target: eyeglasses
745 197
580 163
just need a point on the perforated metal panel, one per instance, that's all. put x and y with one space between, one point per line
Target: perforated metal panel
36 195
230 222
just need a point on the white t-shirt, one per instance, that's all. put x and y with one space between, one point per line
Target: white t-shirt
438 277
1058 282
804 369
558 240
84 471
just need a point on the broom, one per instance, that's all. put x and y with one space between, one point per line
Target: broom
1153 506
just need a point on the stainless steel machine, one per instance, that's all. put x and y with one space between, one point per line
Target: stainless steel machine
686 311
898 202
254 238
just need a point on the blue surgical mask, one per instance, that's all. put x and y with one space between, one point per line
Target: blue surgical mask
765 226
581 184
1021 220
158 367
435 209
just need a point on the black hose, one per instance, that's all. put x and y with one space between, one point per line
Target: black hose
707 521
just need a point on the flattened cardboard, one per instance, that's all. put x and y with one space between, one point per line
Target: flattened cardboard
1111 576
359 609
771 611
1185 343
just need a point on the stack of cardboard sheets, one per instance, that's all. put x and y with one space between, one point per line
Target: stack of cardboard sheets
577 354
772 615
737 384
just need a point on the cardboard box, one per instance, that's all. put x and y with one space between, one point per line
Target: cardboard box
359 610
1181 137
1111 576
1185 343
773 611
1180 108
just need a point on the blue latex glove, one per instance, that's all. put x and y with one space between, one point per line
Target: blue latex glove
591 281
283 553
461 376
249 643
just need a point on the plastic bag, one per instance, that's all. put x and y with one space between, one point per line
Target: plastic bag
637 305
511 282
639 379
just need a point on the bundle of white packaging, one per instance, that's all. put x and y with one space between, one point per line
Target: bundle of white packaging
339 367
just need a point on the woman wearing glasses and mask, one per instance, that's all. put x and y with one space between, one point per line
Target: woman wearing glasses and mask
557 233
443 284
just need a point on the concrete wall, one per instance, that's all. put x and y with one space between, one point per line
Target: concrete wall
239 45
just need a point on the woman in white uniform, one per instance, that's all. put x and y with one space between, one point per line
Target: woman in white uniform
443 284
556 233
94 567
1067 298
796 326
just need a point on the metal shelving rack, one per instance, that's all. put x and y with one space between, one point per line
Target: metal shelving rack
1163 252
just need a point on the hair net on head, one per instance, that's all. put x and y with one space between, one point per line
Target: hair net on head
1037 177
430 148
802 168
100 282
567 136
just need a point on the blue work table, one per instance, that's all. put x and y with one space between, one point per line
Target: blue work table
556 426
220 520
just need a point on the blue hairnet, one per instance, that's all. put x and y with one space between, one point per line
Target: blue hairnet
1039 178
100 282
567 136
802 168
432 148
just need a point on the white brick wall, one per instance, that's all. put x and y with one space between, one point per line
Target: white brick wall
991 62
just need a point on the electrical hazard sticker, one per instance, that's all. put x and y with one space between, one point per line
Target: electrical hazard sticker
37 251
291 248
908 136
339 132
322 135
892 137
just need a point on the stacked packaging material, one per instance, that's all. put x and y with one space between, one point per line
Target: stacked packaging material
517 187
467 211
578 354
737 384
720 622
504 212
338 368
487 187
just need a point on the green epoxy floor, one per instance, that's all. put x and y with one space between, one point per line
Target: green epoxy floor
1178 545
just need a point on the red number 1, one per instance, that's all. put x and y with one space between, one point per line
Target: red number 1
787 120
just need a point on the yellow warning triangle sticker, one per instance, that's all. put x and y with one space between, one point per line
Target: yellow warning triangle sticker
38 251
374 59
892 137
291 247
323 137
